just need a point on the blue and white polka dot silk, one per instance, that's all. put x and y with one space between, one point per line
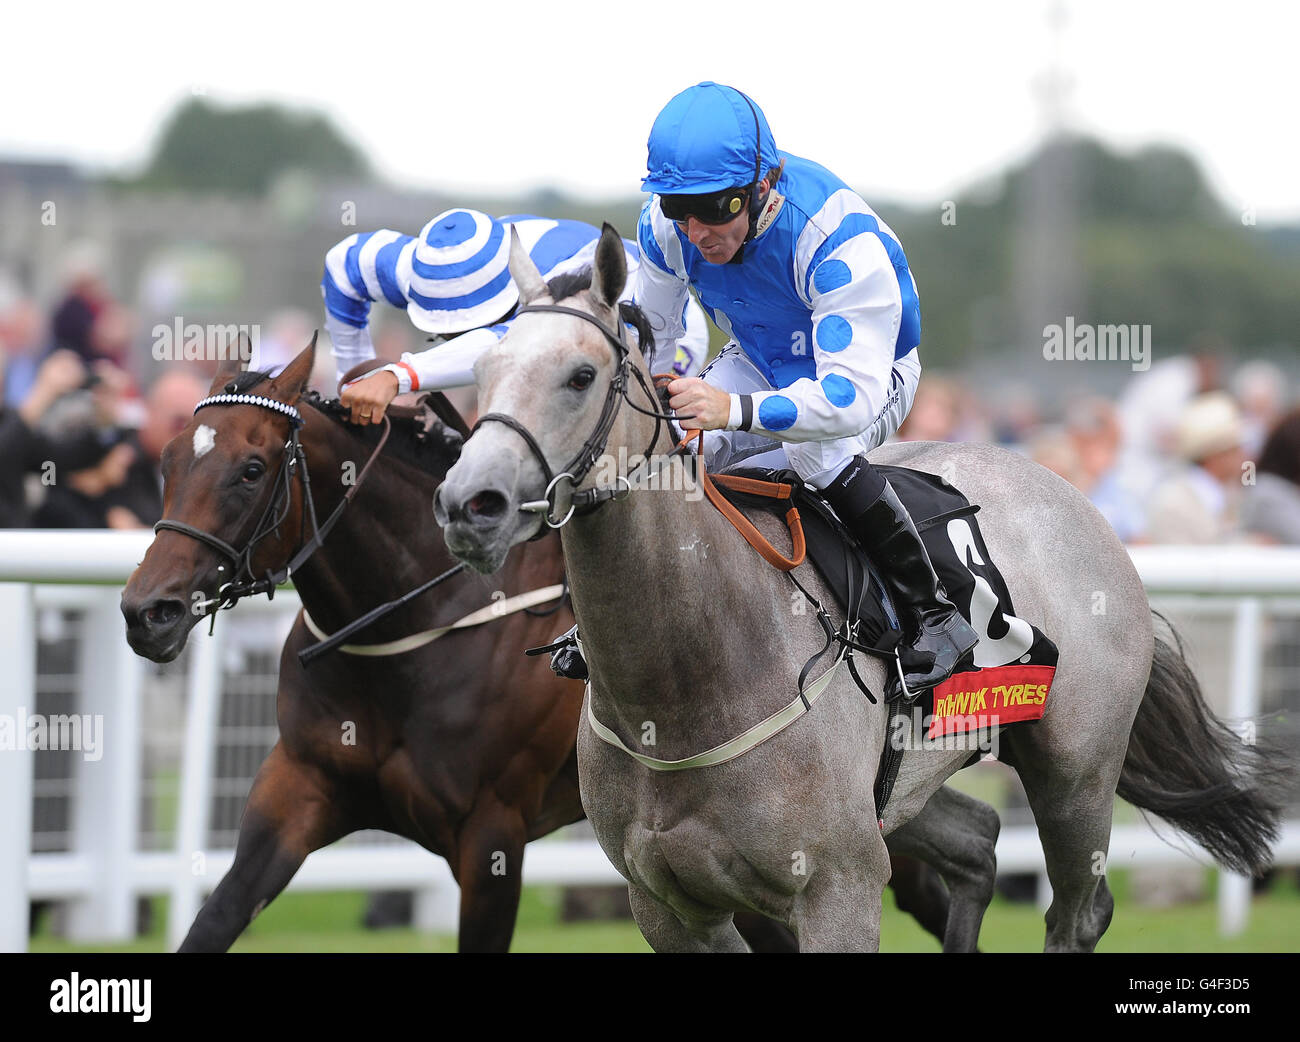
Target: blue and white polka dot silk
821 302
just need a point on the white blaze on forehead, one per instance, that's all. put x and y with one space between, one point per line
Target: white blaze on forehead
204 439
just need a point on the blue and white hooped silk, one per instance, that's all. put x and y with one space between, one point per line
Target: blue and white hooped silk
460 276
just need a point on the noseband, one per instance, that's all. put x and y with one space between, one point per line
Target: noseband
293 461
577 468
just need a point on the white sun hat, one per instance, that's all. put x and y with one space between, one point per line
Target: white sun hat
460 278
1210 423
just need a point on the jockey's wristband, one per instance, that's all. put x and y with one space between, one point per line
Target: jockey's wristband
407 380
406 377
742 412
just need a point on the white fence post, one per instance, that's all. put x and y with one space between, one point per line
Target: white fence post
436 908
17 692
106 806
1243 703
191 878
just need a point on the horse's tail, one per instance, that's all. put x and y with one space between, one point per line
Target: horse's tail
1188 767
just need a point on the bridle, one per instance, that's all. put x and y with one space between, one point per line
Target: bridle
593 448
293 461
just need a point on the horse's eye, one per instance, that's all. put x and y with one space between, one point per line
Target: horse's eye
581 380
253 470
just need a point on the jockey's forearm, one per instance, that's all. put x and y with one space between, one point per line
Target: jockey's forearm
351 343
445 366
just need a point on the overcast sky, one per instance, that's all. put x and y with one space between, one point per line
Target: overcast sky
907 101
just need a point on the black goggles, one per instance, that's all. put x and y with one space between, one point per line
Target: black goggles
713 208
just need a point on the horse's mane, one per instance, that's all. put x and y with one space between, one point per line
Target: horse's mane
411 441
430 450
571 284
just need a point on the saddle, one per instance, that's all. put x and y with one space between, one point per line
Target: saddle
1014 663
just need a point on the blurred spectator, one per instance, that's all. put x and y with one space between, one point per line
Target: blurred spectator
933 416
27 450
1053 449
86 297
1149 411
1271 507
1018 419
21 343
1094 431
125 489
1260 390
1201 503
281 338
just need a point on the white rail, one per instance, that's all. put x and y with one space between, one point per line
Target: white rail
104 873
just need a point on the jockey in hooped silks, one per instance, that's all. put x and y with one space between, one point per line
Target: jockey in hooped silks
453 282
822 312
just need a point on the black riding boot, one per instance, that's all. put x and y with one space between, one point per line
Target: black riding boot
939 637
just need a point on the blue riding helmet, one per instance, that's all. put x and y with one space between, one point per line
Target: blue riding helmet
707 139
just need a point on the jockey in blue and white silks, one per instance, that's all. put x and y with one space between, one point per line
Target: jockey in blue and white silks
815 292
453 282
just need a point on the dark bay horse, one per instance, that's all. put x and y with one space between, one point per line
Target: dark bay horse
463 745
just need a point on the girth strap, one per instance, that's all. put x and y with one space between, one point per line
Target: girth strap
490 613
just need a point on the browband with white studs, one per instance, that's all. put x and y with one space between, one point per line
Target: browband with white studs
253 399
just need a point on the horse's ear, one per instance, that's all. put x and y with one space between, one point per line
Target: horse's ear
227 370
609 273
527 278
295 376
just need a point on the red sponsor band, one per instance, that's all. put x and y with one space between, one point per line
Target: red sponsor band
990 697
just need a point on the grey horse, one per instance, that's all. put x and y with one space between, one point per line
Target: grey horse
692 639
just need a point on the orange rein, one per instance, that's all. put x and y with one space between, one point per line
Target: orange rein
771 490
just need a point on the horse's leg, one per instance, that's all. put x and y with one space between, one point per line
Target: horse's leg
957 835
919 892
1073 802
292 809
665 932
841 913
839 908
765 935
489 862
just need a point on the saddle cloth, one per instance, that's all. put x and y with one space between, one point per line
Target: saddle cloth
1014 662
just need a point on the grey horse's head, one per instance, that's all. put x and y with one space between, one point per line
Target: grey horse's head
550 373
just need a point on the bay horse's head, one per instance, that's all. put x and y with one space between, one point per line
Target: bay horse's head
224 478
550 394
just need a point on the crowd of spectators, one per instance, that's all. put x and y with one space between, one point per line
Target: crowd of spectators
1181 455
82 429
1187 452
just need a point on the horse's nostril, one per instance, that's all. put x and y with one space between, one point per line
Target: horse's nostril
487 506
161 614
441 512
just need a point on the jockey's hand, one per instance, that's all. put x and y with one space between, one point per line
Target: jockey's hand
369 396
699 406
